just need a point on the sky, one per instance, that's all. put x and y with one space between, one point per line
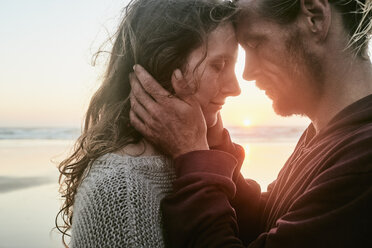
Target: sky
46 75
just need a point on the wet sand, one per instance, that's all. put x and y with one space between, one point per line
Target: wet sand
28 192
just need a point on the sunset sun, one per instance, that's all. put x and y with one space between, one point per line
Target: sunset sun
247 122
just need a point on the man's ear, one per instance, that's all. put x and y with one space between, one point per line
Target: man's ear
318 16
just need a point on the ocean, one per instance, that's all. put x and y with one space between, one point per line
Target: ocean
29 198
249 134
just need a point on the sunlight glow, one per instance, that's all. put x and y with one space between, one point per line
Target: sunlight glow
246 150
247 122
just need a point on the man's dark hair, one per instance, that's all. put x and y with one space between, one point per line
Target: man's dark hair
356 14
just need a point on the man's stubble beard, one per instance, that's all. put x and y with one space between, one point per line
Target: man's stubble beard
307 79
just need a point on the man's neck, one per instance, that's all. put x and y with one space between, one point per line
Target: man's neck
344 85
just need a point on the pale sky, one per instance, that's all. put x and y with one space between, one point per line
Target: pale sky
46 76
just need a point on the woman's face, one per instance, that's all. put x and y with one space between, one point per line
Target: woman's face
215 77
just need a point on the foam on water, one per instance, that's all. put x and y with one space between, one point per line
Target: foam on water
39 133
243 134
266 133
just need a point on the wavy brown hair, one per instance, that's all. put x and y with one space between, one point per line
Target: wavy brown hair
159 35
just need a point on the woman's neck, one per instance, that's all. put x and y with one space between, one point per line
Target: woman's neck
142 148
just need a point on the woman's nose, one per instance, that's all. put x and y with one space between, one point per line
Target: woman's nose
231 86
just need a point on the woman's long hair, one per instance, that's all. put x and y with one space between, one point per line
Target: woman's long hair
159 35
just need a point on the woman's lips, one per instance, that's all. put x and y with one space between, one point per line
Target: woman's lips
217 102
217 105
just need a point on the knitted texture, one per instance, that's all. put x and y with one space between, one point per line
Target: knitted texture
118 202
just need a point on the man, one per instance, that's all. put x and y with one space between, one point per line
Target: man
310 58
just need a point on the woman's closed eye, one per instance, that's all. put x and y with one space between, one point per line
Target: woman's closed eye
218 66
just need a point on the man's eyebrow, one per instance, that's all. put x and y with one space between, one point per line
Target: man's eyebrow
250 36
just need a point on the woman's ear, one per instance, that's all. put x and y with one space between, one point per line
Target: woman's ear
318 16
180 84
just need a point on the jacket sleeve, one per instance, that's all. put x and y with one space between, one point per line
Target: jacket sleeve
234 149
248 201
201 200
333 212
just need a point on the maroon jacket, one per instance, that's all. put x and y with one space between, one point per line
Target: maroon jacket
321 198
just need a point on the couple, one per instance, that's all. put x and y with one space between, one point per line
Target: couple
154 165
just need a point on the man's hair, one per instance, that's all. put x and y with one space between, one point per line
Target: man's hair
356 16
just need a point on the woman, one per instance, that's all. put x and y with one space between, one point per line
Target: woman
114 181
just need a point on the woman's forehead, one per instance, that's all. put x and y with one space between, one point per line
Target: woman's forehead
222 41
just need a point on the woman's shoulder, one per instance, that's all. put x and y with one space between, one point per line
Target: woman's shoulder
121 195
113 170
113 176
127 163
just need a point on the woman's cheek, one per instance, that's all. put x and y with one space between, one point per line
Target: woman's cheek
210 87
203 99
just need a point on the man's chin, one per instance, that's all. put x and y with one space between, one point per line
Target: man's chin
284 109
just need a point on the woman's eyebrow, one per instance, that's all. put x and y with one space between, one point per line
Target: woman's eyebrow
223 57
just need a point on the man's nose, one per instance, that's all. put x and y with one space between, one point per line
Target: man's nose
251 66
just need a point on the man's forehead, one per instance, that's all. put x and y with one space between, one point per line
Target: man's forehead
248 11
250 24
246 3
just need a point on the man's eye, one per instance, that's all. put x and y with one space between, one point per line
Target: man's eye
252 44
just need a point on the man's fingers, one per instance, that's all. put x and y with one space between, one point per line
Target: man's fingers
139 110
140 94
137 123
149 84
219 120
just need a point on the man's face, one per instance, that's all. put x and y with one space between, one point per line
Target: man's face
280 62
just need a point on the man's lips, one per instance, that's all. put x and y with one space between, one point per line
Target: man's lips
264 86
267 88
261 85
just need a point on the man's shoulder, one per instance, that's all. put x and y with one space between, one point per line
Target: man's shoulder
349 157
364 131
356 141
348 139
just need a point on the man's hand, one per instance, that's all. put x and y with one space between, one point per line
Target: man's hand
173 122
215 133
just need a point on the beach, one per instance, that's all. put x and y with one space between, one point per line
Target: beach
29 198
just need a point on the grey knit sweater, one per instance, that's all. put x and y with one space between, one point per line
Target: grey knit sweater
118 202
